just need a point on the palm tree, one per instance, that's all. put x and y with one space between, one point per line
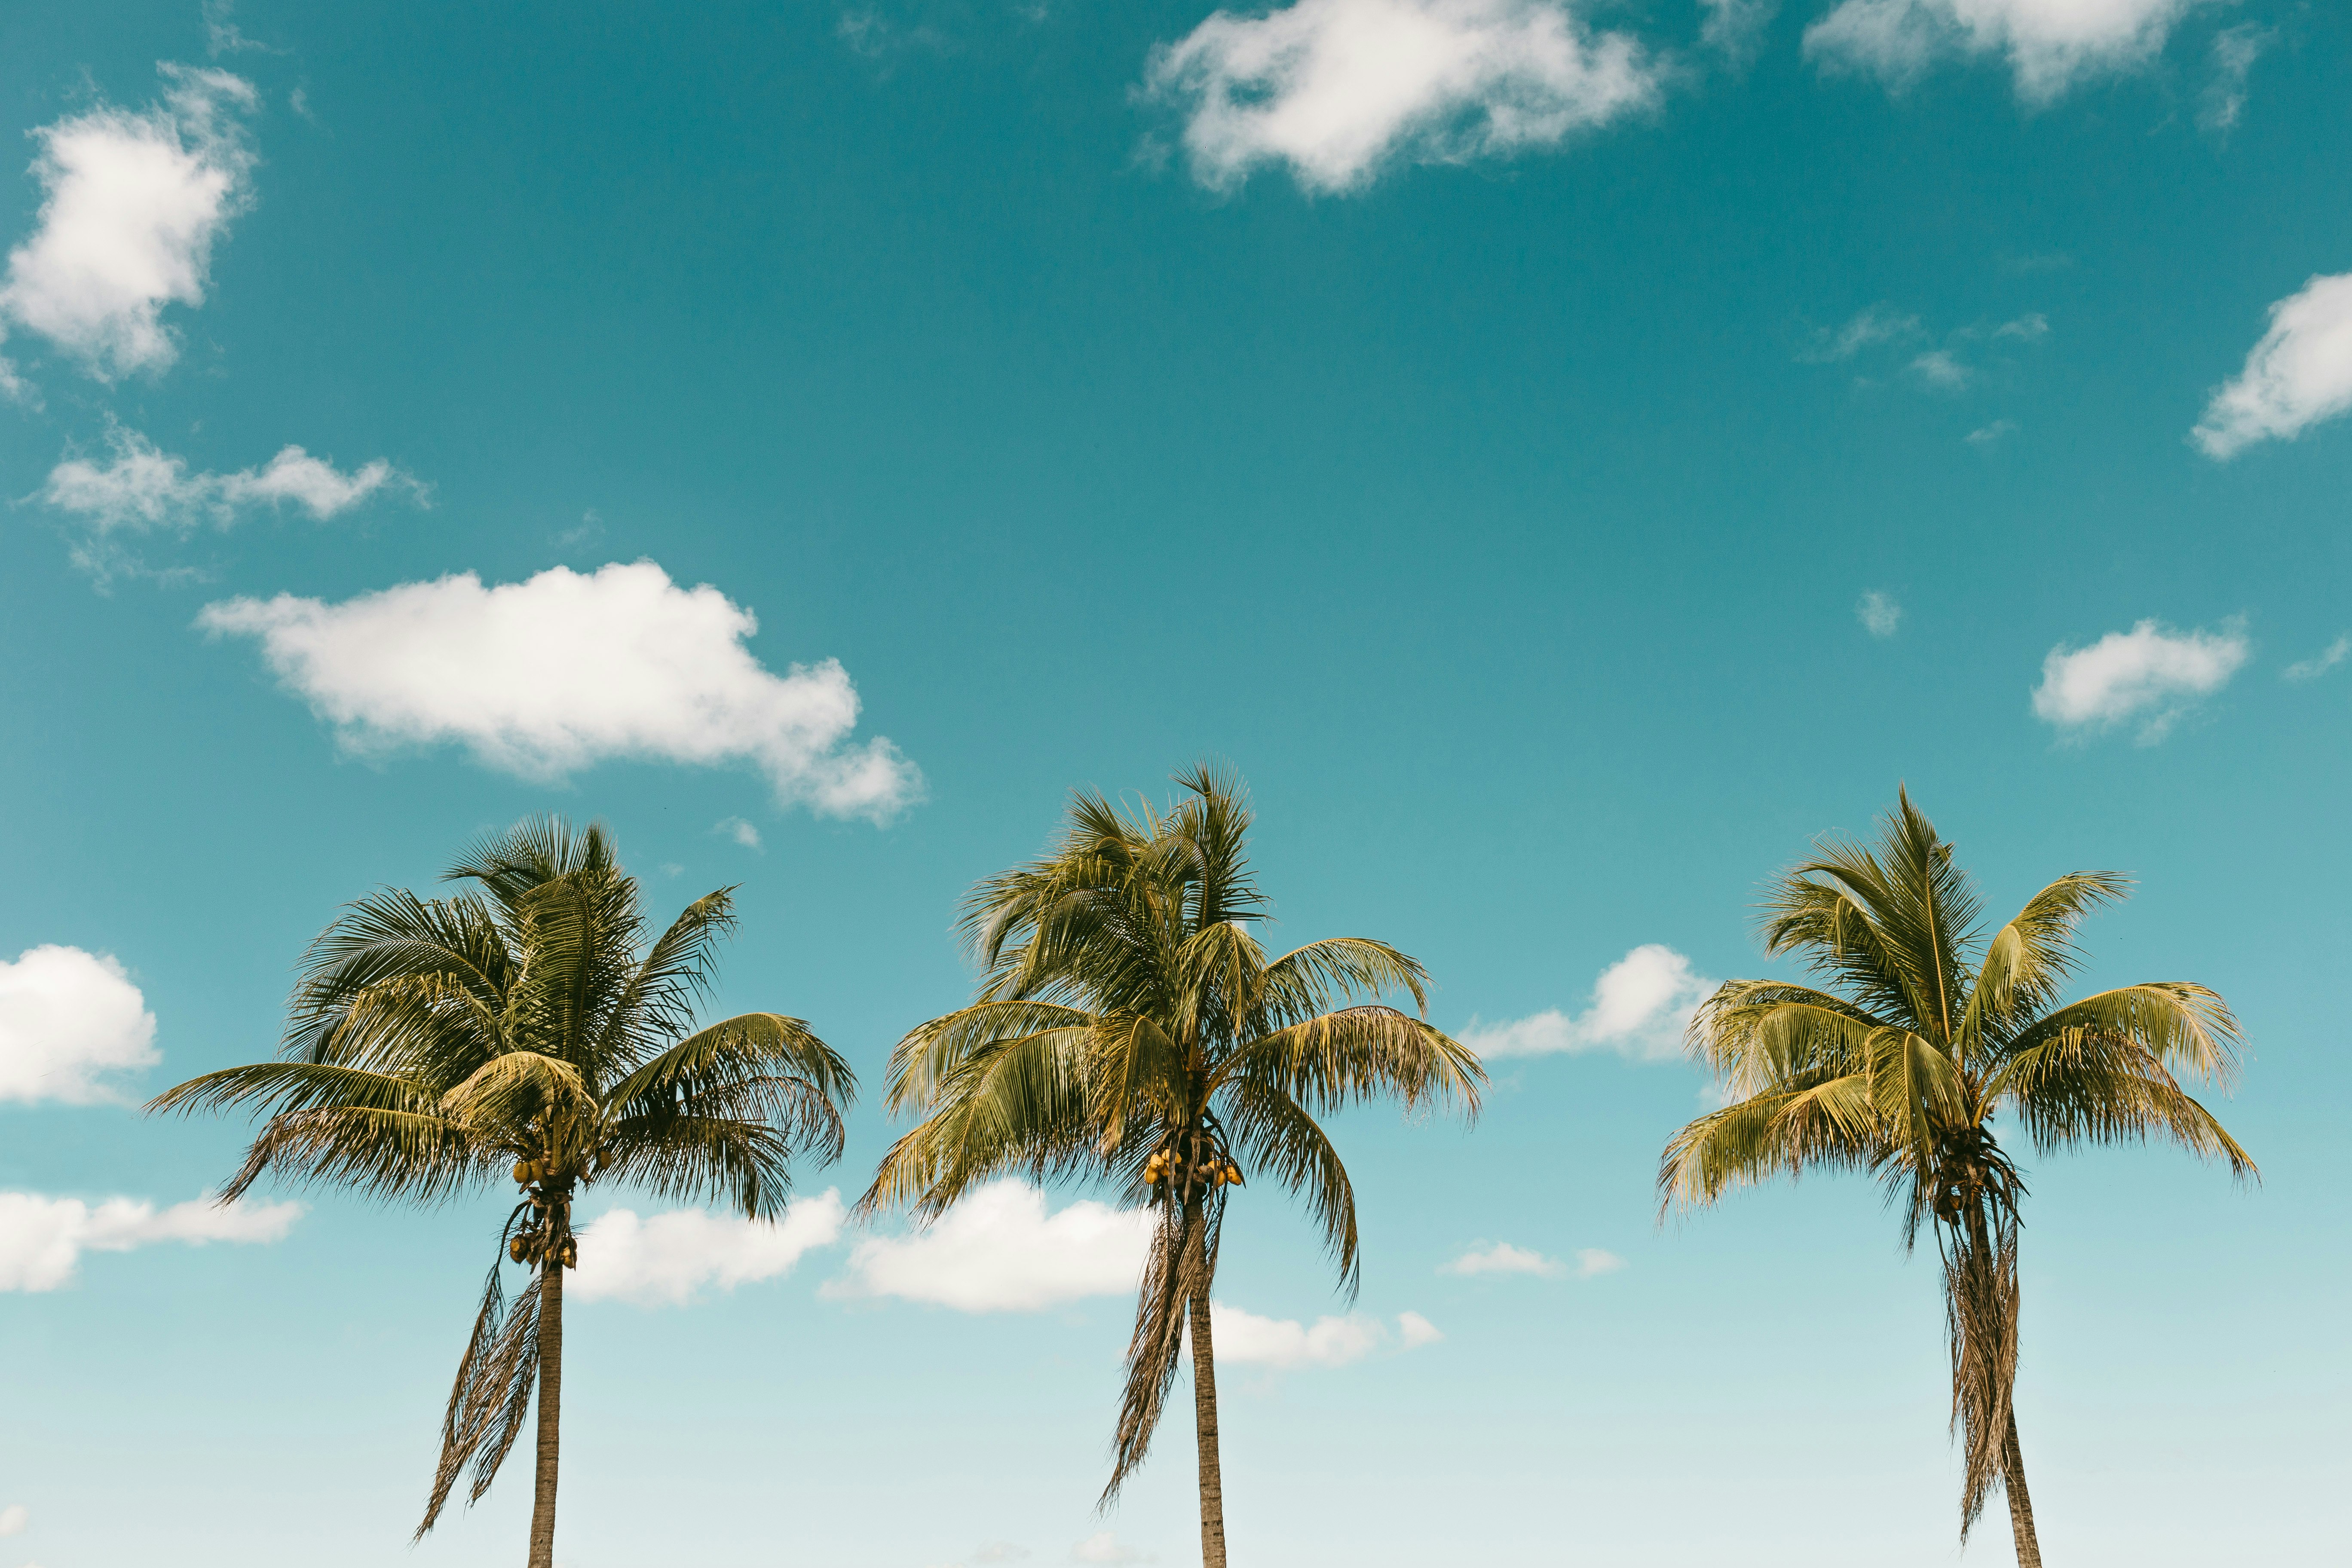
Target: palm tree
431 1044
1927 1032
1128 1029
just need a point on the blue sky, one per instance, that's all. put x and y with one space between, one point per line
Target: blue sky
1566 455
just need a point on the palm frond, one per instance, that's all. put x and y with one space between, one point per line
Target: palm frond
1360 1053
1180 1269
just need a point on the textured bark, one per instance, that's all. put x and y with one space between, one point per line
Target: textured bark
2020 1502
1204 1418
550 1412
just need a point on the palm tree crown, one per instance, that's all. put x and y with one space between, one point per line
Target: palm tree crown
1927 1030
528 1028
1129 1027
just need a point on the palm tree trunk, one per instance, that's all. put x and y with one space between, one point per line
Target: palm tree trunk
2020 1502
550 1412
1204 1420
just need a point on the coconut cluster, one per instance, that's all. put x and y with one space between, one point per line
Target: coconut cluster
1217 1171
547 1237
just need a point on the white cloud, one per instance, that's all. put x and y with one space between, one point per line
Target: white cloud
13 1519
545 676
2300 374
1878 613
1640 1006
1413 1331
740 831
2147 674
1281 1342
1504 1258
68 1019
2031 328
2050 44
42 1239
2234 51
1737 27
143 486
1000 1552
1104 1546
1334 88
1871 325
998 1250
2323 661
132 205
664 1260
1986 434
1591 1262
1938 367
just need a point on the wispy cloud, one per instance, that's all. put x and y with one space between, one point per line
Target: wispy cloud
2148 674
1336 90
1502 1258
141 487
1104 1547
2298 374
1987 435
1878 613
42 1239
740 831
1896 340
70 1022
1735 28
2050 45
1640 1006
2320 663
1939 368
1871 325
133 203
565 669
2233 53
1591 1262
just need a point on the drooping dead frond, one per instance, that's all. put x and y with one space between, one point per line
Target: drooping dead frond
492 1394
1980 1323
1182 1262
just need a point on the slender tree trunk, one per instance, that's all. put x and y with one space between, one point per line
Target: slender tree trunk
550 1411
2020 1502
1204 1421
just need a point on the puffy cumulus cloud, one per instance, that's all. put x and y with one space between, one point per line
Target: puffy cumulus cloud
132 204
1336 88
14 1519
666 1259
998 1250
1591 1262
1640 1006
1281 1342
70 1019
1104 1546
142 487
1504 1258
42 1239
545 676
2299 374
2048 44
2147 675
